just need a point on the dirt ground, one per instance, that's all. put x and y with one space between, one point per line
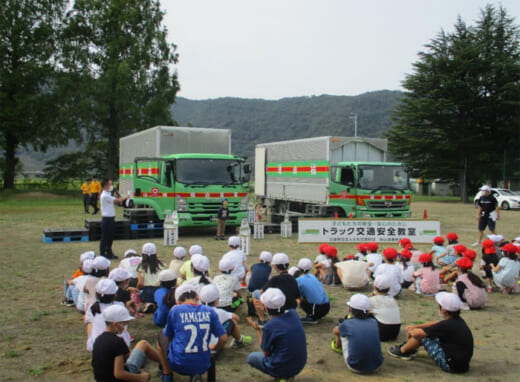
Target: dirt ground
42 340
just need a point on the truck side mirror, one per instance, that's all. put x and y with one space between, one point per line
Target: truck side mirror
247 168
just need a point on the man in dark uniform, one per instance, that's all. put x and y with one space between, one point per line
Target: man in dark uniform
487 213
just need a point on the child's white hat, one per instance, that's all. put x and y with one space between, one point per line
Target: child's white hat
234 241
129 252
167 275
382 282
305 264
89 255
195 249
280 258
266 256
225 265
106 286
273 298
293 270
495 238
360 302
119 274
116 313
179 252
87 266
101 263
449 301
183 288
209 293
149 249
200 263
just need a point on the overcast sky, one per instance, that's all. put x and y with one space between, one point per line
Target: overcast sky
285 48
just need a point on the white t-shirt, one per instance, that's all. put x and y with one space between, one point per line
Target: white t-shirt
237 258
408 272
385 309
226 285
223 316
353 273
79 284
394 273
99 326
195 283
130 264
374 258
107 205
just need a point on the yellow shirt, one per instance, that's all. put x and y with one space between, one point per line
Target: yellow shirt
95 187
85 188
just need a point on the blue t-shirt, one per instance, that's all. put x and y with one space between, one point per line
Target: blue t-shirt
312 289
283 336
190 327
364 347
161 313
259 275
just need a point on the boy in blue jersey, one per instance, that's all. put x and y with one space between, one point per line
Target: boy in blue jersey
313 298
283 342
186 337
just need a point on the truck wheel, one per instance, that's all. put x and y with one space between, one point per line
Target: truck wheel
505 206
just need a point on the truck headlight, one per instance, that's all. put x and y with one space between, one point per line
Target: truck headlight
181 203
366 215
243 203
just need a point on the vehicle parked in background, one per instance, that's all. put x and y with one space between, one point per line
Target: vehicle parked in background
506 199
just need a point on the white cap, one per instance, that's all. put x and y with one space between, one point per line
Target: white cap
89 255
292 270
485 187
273 298
360 302
209 293
200 263
129 252
266 256
88 266
495 238
382 282
101 263
225 265
195 249
149 249
449 301
179 252
167 275
280 258
183 288
119 274
106 286
234 241
516 238
116 313
305 264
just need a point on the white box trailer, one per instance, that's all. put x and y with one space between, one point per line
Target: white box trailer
165 140
299 163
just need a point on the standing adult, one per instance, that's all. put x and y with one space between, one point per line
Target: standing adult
487 213
85 189
95 189
108 213
222 217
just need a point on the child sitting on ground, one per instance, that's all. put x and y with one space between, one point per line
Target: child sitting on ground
130 263
353 273
70 292
79 284
358 338
101 270
186 272
391 270
437 248
258 277
406 267
373 258
448 257
450 272
469 287
110 354
319 258
313 298
327 268
426 278
122 278
362 251
228 286
179 256
385 309
505 274
164 297
200 269
148 276
490 259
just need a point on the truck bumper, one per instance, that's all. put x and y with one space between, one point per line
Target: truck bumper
381 214
187 219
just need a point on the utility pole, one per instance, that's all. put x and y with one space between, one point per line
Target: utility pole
354 116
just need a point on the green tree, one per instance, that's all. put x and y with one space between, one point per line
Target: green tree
462 105
29 100
120 64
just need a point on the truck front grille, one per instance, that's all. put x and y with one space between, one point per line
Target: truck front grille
211 207
386 204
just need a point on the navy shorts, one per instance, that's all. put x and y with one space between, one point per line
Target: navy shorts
434 349
486 221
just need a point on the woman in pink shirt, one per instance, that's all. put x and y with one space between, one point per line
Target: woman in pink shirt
427 277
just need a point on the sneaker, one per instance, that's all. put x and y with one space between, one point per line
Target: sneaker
465 306
334 348
284 380
308 320
196 378
67 303
395 351
475 244
167 378
489 289
149 307
244 340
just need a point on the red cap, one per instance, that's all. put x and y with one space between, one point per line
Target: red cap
459 248
350 257
390 253
405 241
488 243
465 263
452 236
322 247
470 254
331 251
509 248
438 240
406 254
490 250
372 247
362 247
425 258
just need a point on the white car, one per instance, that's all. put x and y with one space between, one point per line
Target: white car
507 199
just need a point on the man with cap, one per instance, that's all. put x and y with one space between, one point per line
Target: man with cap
282 339
487 213
313 298
111 358
449 341
284 281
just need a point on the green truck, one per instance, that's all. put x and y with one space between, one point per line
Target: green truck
184 169
331 177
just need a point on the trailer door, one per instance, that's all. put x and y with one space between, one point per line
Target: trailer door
260 171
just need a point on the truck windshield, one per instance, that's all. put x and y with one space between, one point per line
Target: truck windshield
381 177
208 171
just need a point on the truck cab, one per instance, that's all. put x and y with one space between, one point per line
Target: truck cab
370 189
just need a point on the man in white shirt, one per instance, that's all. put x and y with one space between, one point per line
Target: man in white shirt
108 219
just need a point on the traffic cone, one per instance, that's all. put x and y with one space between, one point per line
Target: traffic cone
335 215
425 214
350 216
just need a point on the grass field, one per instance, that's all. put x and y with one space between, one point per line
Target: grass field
41 340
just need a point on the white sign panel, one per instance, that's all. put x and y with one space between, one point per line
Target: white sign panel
359 231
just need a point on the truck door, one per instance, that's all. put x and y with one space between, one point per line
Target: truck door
342 191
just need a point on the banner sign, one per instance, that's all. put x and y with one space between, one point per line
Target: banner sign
362 231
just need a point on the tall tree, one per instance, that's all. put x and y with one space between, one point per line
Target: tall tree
29 106
462 105
122 62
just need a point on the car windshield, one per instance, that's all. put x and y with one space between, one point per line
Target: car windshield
381 177
506 192
208 171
